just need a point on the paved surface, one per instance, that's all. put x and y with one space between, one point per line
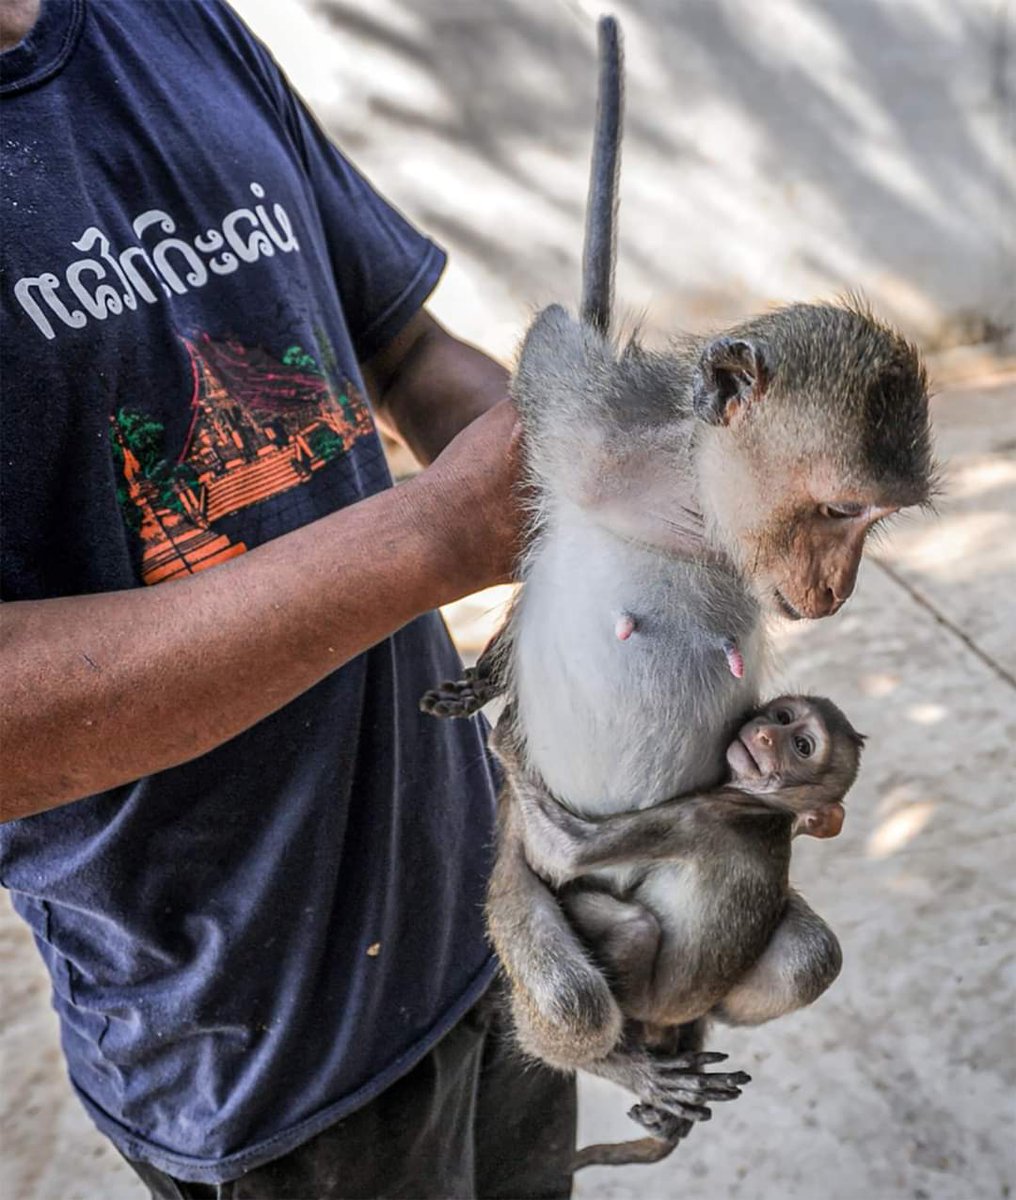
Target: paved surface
898 1085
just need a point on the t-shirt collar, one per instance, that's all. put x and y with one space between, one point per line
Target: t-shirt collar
47 47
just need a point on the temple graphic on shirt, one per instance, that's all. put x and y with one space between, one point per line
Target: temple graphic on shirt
260 427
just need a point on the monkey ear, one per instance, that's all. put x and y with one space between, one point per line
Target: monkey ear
730 373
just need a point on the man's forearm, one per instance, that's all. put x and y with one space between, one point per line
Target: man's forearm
100 690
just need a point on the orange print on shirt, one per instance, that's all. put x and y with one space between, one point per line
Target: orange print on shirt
259 427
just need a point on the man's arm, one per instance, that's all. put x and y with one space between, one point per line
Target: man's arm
101 690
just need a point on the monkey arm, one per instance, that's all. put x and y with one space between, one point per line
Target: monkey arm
562 1006
561 845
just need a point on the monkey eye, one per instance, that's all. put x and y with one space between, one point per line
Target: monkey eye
784 716
840 512
804 746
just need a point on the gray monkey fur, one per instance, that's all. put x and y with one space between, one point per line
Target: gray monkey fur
610 727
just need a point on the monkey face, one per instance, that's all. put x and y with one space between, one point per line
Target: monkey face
806 566
785 743
813 427
797 531
787 747
802 751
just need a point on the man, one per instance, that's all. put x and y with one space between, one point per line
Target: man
254 870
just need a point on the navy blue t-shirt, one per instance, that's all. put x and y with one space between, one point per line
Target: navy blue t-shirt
246 947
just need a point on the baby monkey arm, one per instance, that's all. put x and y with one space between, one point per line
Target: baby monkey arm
562 846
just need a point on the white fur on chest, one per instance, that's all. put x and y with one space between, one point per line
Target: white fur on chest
612 725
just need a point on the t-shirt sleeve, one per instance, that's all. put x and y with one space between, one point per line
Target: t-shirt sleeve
384 268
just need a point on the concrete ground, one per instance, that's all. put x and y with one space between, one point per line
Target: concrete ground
899 1083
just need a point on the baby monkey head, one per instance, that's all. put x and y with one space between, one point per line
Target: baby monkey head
804 753
813 427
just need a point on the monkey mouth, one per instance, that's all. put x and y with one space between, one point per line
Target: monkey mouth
739 751
786 607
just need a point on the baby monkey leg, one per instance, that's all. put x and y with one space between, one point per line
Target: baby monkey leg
801 960
624 938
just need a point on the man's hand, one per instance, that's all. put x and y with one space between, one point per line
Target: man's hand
471 496
101 690
445 400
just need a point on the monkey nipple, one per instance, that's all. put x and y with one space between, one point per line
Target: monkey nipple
734 659
625 626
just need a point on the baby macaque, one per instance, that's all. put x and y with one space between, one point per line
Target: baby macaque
747 948
790 766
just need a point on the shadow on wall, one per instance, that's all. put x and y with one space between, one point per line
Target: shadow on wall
791 149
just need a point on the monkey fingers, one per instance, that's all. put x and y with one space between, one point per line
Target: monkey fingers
683 1109
459 697
693 1059
686 1092
691 1063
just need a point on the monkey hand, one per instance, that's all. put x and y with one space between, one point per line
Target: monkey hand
555 838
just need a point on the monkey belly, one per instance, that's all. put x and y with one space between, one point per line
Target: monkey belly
610 723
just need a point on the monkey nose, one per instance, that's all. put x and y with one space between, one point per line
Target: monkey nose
827 603
764 738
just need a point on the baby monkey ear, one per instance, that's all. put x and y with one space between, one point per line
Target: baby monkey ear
731 373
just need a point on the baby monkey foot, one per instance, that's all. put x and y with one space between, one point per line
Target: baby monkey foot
661 1124
459 697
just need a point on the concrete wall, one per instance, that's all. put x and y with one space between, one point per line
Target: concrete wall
780 150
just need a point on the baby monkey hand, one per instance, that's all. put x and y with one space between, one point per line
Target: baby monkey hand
555 838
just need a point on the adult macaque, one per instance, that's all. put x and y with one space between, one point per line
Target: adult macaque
680 499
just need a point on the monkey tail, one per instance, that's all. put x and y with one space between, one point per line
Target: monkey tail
623 1154
599 249
667 1129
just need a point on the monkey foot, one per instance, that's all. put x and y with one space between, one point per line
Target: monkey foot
459 697
661 1124
678 1084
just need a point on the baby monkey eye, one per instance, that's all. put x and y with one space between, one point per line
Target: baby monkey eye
784 716
804 746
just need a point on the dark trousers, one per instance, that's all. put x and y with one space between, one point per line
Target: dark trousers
471 1121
